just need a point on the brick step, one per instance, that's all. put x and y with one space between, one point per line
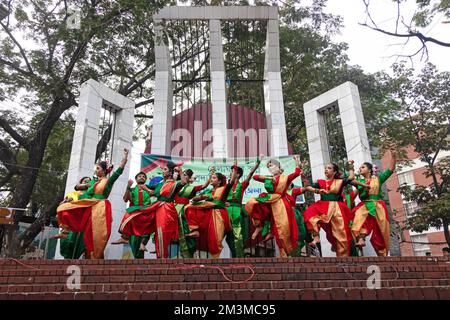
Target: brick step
235 268
215 276
403 293
186 286
249 261
274 278
189 269
186 264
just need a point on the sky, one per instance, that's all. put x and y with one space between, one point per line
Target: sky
374 51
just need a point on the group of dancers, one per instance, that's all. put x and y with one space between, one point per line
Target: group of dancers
200 217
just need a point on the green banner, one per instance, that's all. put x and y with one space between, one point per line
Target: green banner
151 165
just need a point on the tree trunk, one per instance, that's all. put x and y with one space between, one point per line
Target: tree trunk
20 199
24 189
12 245
445 224
28 236
6 179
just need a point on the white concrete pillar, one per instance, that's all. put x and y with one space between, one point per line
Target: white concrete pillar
353 124
218 93
273 93
85 137
163 105
123 139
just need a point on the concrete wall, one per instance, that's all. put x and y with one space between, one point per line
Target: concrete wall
346 97
82 159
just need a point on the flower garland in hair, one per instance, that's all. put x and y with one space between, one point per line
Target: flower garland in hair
109 167
176 173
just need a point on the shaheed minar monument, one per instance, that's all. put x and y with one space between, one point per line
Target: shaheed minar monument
249 278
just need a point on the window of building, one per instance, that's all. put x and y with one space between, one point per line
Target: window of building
420 244
406 178
410 208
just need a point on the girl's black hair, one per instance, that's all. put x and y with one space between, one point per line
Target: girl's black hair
139 173
222 178
81 180
189 173
171 166
105 167
369 166
337 174
240 171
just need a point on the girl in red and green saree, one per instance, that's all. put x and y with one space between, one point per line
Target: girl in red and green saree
235 238
274 206
160 217
371 214
91 214
187 244
292 195
73 247
80 188
139 198
349 197
207 216
330 212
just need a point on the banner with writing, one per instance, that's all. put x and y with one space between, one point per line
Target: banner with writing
151 165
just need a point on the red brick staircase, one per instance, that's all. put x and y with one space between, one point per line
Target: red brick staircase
227 279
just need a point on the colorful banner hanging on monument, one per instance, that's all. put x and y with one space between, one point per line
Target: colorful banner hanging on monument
151 165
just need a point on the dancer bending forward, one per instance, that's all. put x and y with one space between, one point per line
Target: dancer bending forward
275 207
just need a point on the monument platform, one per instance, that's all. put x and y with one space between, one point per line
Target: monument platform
227 279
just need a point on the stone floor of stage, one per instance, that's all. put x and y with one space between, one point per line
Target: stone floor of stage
228 279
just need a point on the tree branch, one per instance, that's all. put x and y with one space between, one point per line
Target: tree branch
6 179
143 103
51 48
143 116
13 133
8 158
13 66
138 83
419 35
81 46
133 79
22 52
445 136
398 16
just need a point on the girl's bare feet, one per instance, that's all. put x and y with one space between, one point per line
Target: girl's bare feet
268 237
62 235
193 234
360 243
315 241
257 231
120 241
